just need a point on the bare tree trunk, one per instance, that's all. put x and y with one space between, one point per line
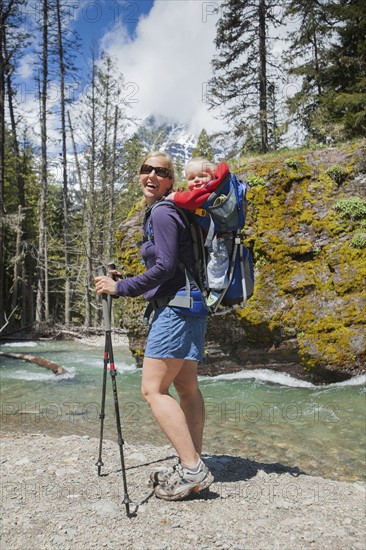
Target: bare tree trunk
110 234
21 271
317 64
81 186
64 168
3 63
263 77
105 81
28 302
90 208
46 280
76 157
27 317
15 143
77 164
17 260
42 312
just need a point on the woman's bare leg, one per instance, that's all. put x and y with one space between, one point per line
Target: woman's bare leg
191 402
157 377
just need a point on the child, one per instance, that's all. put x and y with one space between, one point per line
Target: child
203 178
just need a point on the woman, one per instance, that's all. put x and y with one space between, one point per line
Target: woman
176 340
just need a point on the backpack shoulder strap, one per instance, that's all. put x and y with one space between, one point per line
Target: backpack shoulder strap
198 274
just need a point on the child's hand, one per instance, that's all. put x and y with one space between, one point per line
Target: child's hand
171 196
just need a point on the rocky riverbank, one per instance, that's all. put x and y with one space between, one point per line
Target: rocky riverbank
53 498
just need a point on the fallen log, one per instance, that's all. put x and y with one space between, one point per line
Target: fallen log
54 367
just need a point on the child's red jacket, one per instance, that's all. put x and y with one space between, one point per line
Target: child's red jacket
195 198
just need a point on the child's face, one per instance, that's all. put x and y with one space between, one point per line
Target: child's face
198 174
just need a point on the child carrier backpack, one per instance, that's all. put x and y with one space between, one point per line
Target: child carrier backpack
222 214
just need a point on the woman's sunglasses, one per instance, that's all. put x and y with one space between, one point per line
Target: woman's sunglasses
159 170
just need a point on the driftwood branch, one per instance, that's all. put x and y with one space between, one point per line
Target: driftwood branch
7 319
54 367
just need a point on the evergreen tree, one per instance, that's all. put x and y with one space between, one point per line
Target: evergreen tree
328 52
242 65
306 58
203 147
277 126
179 172
345 100
130 193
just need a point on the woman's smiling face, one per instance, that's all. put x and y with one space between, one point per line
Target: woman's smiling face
154 187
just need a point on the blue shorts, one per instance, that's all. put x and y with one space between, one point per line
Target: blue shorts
175 335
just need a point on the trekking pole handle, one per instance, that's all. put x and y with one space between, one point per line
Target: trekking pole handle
106 310
112 266
101 271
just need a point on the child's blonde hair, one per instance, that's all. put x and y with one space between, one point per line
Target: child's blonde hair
206 163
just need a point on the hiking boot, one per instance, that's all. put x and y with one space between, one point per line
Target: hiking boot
160 475
182 482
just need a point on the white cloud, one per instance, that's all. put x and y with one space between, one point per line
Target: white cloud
26 66
168 62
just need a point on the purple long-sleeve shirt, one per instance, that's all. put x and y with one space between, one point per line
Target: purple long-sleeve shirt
171 242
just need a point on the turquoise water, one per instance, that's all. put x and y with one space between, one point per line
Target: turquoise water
260 415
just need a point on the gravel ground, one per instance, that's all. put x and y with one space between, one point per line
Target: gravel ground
53 498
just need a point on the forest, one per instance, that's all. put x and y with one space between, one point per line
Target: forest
59 215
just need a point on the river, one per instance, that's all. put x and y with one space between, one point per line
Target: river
260 415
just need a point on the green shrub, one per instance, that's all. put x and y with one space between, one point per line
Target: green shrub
359 239
337 173
291 162
353 208
254 181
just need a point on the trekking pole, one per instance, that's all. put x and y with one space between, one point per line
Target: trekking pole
100 463
109 358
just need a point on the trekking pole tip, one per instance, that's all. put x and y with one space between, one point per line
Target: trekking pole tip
127 504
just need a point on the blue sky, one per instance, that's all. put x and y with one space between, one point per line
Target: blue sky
163 48
92 19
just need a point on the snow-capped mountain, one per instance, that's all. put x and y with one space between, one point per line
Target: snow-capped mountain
170 137
174 138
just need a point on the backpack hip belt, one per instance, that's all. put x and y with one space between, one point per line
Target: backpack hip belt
191 305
